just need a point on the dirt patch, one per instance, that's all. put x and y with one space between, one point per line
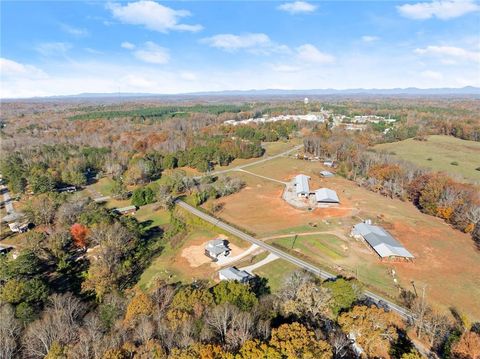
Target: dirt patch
195 253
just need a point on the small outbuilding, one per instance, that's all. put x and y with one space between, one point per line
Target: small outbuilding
326 195
326 174
126 210
217 248
232 273
329 163
302 187
381 241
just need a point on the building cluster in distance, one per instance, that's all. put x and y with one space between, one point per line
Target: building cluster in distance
265 119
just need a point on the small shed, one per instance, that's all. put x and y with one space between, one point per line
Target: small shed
329 163
217 248
326 195
126 210
302 187
232 273
326 174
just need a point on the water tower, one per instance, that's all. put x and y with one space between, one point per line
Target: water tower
305 100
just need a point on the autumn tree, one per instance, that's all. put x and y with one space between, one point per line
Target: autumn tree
373 328
296 341
468 347
79 235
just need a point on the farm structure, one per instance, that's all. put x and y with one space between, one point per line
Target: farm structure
326 174
326 195
126 210
232 273
298 194
381 242
217 248
302 188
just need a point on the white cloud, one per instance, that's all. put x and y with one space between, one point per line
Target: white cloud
152 53
442 9
75 31
285 68
297 7
369 38
189 76
152 15
127 45
450 54
432 75
137 82
311 54
231 42
10 68
53 48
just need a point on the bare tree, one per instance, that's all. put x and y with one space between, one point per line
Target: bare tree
9 332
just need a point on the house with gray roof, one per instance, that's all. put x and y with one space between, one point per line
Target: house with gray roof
232 273
326 195
302 188
216 248
381 241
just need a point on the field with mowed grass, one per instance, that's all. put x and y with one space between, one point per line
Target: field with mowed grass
446 260
459 158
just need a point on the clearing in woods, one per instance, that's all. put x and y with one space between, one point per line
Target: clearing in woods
458 158
446 260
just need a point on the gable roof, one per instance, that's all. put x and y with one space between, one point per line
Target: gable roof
232 273
326 195
381 241
217 246
301 184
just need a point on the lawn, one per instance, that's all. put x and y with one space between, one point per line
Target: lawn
151 217
172 267
438 153
276 272
324 245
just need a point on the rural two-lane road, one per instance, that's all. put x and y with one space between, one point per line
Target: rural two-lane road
286 256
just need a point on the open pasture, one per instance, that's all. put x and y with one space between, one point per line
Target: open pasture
459 158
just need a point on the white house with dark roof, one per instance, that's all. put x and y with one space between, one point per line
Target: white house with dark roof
326 195
217 248
302 187
381 241
232 273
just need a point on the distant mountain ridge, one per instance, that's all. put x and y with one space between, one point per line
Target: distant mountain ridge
462 91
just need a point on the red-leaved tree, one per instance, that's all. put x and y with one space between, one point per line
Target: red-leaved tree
79 235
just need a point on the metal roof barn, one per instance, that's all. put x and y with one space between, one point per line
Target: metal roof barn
326 195
301 185
381 241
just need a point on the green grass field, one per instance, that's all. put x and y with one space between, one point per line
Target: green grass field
317 244
276 272
438 153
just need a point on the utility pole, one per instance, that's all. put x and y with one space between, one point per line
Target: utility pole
414 288
294 240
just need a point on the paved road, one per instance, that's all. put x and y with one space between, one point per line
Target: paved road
286 256
214 173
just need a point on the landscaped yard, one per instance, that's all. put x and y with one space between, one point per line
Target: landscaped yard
458 158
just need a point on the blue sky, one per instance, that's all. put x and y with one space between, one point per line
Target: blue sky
70 47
